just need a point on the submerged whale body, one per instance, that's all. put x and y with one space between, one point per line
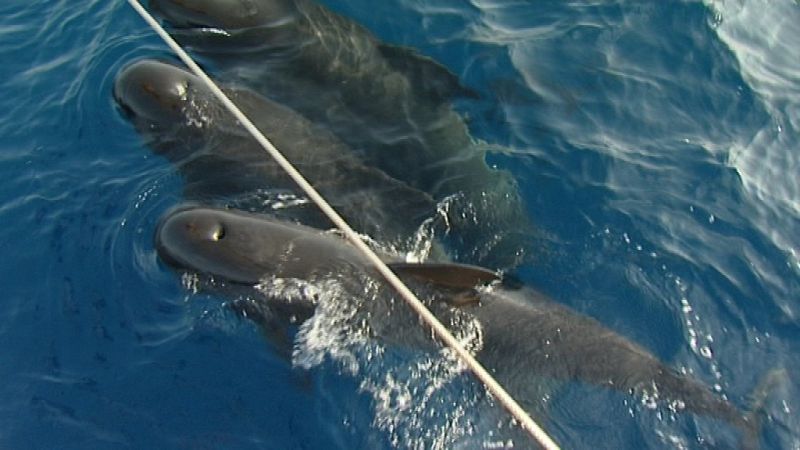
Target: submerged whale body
525 334
219 161
387 102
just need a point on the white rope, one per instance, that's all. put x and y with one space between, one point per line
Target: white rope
440 330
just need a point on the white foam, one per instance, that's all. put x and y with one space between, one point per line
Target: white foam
421 397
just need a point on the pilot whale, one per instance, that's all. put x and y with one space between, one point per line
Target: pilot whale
219 161
387 102
525 334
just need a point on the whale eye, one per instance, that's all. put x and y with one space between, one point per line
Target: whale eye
219 233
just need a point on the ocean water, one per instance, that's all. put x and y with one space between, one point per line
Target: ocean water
656 148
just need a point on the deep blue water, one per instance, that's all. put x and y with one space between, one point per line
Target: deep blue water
655 144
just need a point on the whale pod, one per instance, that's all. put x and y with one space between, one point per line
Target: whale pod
386 102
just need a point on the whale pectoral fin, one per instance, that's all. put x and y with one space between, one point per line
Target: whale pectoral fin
436 80
276 331
751 428
449 275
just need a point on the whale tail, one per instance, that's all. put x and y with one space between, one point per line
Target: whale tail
752 421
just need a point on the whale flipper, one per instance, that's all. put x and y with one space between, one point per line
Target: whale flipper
751 429
435 80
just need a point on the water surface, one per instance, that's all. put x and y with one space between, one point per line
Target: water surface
656 148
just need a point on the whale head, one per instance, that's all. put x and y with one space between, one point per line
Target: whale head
223 14
246 248
154 91
234 247
233 251
230 26
171 107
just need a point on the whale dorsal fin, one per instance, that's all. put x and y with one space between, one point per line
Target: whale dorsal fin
449 275
436 80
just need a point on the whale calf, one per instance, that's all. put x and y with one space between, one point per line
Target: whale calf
525 334
386 102
181 120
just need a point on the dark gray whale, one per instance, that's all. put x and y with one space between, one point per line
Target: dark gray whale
387 102
525 334
181 120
